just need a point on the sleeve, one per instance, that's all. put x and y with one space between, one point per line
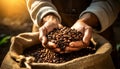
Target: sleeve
39 8
105 10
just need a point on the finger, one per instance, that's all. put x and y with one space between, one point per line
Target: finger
87 35
56 50
44 41
76 44
42 35
78 27
60 26
51 45
70 49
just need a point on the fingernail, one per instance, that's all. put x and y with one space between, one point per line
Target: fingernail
71 45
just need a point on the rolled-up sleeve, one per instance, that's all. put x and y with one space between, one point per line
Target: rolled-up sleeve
105 10
39 8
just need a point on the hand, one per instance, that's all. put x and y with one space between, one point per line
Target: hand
49 23
84 25
86 30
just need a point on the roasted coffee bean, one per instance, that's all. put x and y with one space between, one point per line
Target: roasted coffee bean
46 55
62 47
54 41
62 38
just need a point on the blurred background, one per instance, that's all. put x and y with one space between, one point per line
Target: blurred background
15 19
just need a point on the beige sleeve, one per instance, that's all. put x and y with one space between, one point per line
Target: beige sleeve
105 10
39 8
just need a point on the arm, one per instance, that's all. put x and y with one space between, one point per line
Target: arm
106 12
40 8
45 16
98 16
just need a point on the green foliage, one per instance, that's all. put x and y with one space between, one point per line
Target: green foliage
4 40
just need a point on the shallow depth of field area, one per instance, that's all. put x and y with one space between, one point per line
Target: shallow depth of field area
14 19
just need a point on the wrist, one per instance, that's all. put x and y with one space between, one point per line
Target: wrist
91 20
50 17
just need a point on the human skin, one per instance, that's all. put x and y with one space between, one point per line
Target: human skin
84 24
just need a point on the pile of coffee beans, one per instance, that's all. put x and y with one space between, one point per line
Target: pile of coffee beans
43 55
61 37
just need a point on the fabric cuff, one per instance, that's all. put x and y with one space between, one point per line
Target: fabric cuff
44 11
100 12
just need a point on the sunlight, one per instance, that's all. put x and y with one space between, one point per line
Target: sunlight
12 7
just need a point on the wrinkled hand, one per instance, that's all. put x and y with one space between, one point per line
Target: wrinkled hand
86 30
49 23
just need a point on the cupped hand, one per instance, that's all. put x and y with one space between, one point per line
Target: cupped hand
49 23
86 30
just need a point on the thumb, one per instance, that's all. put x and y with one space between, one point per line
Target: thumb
87 35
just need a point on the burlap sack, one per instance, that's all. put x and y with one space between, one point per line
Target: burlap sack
99 60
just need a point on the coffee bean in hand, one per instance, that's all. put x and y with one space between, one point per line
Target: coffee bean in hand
62 37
